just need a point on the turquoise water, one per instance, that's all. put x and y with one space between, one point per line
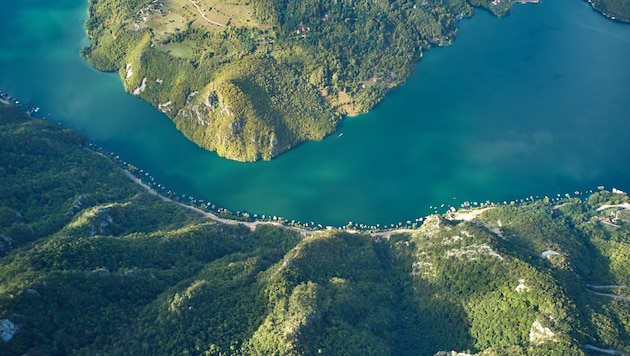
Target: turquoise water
536 103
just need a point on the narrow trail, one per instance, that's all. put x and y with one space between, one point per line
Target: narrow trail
605 351
204 16
624 206
609 286
590 288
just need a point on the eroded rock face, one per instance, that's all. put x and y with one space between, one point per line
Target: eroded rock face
473 252
540 334
223 118
6 243
7 330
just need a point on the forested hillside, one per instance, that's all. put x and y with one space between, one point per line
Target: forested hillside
93 264
616 9
251 79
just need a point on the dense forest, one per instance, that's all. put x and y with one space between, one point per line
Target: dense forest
90 263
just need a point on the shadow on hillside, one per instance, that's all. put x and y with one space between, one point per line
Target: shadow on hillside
537 228
428 320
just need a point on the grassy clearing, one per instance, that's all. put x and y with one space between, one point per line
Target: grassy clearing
232 12
211 15
180 50
345 104
170 17
165 18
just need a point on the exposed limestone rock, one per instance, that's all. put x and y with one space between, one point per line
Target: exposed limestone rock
521 286
540 334
7 330
473 251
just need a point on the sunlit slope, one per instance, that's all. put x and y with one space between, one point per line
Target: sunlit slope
253 111
310 61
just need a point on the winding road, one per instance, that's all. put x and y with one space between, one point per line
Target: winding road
624 205
590 288
204 16
250 224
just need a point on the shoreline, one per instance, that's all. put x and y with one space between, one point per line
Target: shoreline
466 212
252 225
608 15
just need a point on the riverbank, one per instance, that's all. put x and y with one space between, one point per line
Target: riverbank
251 225
468 211
6 99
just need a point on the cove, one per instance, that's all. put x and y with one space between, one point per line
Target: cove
536 103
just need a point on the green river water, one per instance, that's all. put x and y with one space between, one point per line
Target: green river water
533 104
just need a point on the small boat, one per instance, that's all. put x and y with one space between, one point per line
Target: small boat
341 134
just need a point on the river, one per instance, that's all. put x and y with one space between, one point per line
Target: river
533 104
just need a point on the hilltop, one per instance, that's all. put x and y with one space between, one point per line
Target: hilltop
90 262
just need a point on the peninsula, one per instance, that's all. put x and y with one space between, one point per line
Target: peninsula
251 79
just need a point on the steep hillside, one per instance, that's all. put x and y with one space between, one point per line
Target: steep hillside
91 263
